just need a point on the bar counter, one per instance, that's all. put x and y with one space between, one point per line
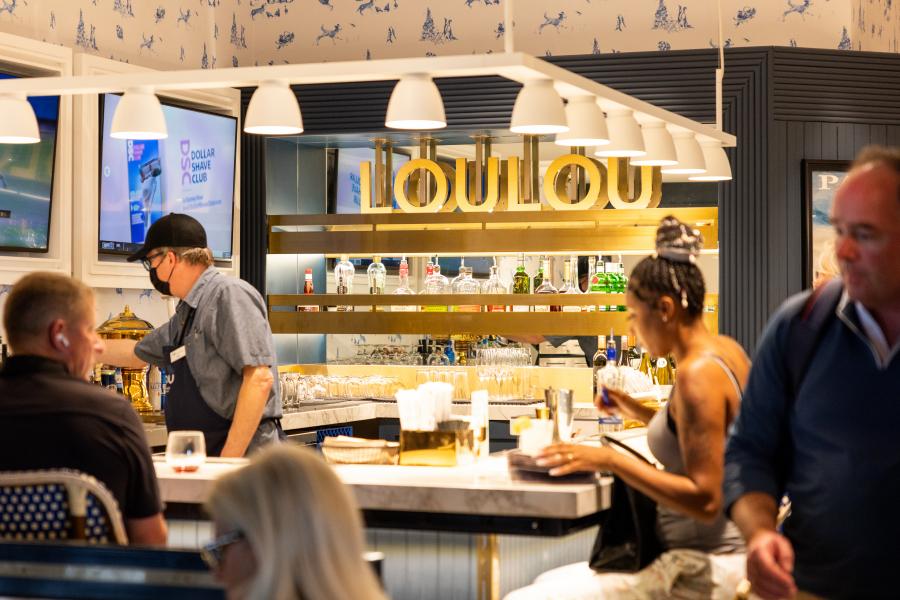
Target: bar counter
462 532
481 489
331 413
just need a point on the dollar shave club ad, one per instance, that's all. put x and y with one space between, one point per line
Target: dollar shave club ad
191 171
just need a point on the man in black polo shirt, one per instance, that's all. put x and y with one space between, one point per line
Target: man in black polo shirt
51 417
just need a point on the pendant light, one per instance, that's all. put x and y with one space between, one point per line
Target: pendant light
717 166
690 157
139 116
415 103
587 125
626 140
18 125
538 110
273 110
659 146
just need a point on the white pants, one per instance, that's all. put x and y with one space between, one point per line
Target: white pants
685 574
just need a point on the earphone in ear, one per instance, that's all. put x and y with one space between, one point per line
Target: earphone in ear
63 340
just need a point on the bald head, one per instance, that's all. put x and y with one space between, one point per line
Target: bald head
866 219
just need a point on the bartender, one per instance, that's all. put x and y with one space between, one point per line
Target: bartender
218 344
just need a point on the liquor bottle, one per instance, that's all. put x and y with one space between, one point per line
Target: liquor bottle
460 273
611 283
521 283
436 284
538 278
568 286
634 356
343 278
403 288
599 359
622 283
609 423
664 372
154 387
377 275
308 289
494 286
624 357
544 286
597 283
450 352
465 284
645 366
592 266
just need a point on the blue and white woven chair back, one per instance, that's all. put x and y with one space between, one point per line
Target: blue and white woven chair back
59 504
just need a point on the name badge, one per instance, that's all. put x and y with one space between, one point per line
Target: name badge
177 354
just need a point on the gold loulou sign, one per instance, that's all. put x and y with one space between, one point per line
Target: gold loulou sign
571 182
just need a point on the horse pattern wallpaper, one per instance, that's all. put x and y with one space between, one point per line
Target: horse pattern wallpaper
230 33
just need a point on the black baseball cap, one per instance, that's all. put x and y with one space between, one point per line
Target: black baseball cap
174 230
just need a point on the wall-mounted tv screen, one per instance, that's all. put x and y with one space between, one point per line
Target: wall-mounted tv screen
346 194
26 182
191 172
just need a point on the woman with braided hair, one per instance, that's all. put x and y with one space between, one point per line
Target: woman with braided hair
703 551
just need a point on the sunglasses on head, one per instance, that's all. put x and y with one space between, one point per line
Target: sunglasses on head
213 552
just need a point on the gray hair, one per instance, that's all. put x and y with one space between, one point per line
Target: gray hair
192 256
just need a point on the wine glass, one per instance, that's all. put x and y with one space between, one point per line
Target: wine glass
185 450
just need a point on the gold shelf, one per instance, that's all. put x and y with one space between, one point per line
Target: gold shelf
384 321
481 233
294 300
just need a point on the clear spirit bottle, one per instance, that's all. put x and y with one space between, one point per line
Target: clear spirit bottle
343 278
494 285
403 288
569 286
465 284
544 286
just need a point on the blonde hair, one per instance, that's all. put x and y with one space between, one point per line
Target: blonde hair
302 524
40 298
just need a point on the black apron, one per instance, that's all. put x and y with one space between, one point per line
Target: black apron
185 407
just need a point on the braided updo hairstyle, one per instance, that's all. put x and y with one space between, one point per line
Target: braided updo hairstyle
672 271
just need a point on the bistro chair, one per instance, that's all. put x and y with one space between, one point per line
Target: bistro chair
59 504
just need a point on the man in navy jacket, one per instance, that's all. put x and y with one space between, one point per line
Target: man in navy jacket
833 445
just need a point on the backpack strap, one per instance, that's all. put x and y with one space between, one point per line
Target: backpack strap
807 328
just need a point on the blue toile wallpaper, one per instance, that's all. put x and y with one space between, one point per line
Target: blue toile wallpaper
227 33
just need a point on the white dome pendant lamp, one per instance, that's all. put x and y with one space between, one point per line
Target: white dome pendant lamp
587 125
626 140
273 110
717 166
139 116
659 146
690 157
18 124
415 104
538 110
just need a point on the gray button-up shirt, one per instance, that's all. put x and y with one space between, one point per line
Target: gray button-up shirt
230 331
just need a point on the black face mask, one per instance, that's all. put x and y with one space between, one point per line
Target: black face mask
161 286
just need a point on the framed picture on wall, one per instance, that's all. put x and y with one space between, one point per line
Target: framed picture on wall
821 179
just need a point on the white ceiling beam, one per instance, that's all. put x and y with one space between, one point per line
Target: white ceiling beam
516 66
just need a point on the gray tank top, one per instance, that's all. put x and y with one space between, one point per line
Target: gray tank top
674 529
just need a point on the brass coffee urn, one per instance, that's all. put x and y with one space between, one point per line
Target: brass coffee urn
128 326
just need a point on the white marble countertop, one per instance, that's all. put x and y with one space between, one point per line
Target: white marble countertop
336 413
484 488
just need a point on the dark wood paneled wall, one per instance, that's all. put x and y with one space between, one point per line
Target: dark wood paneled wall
783 104
254 240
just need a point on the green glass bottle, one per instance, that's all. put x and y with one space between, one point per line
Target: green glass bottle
521 283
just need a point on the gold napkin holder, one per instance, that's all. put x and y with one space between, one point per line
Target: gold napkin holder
435 448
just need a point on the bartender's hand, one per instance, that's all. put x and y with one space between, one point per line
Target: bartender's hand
251 402
620 402
572 458
120 353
